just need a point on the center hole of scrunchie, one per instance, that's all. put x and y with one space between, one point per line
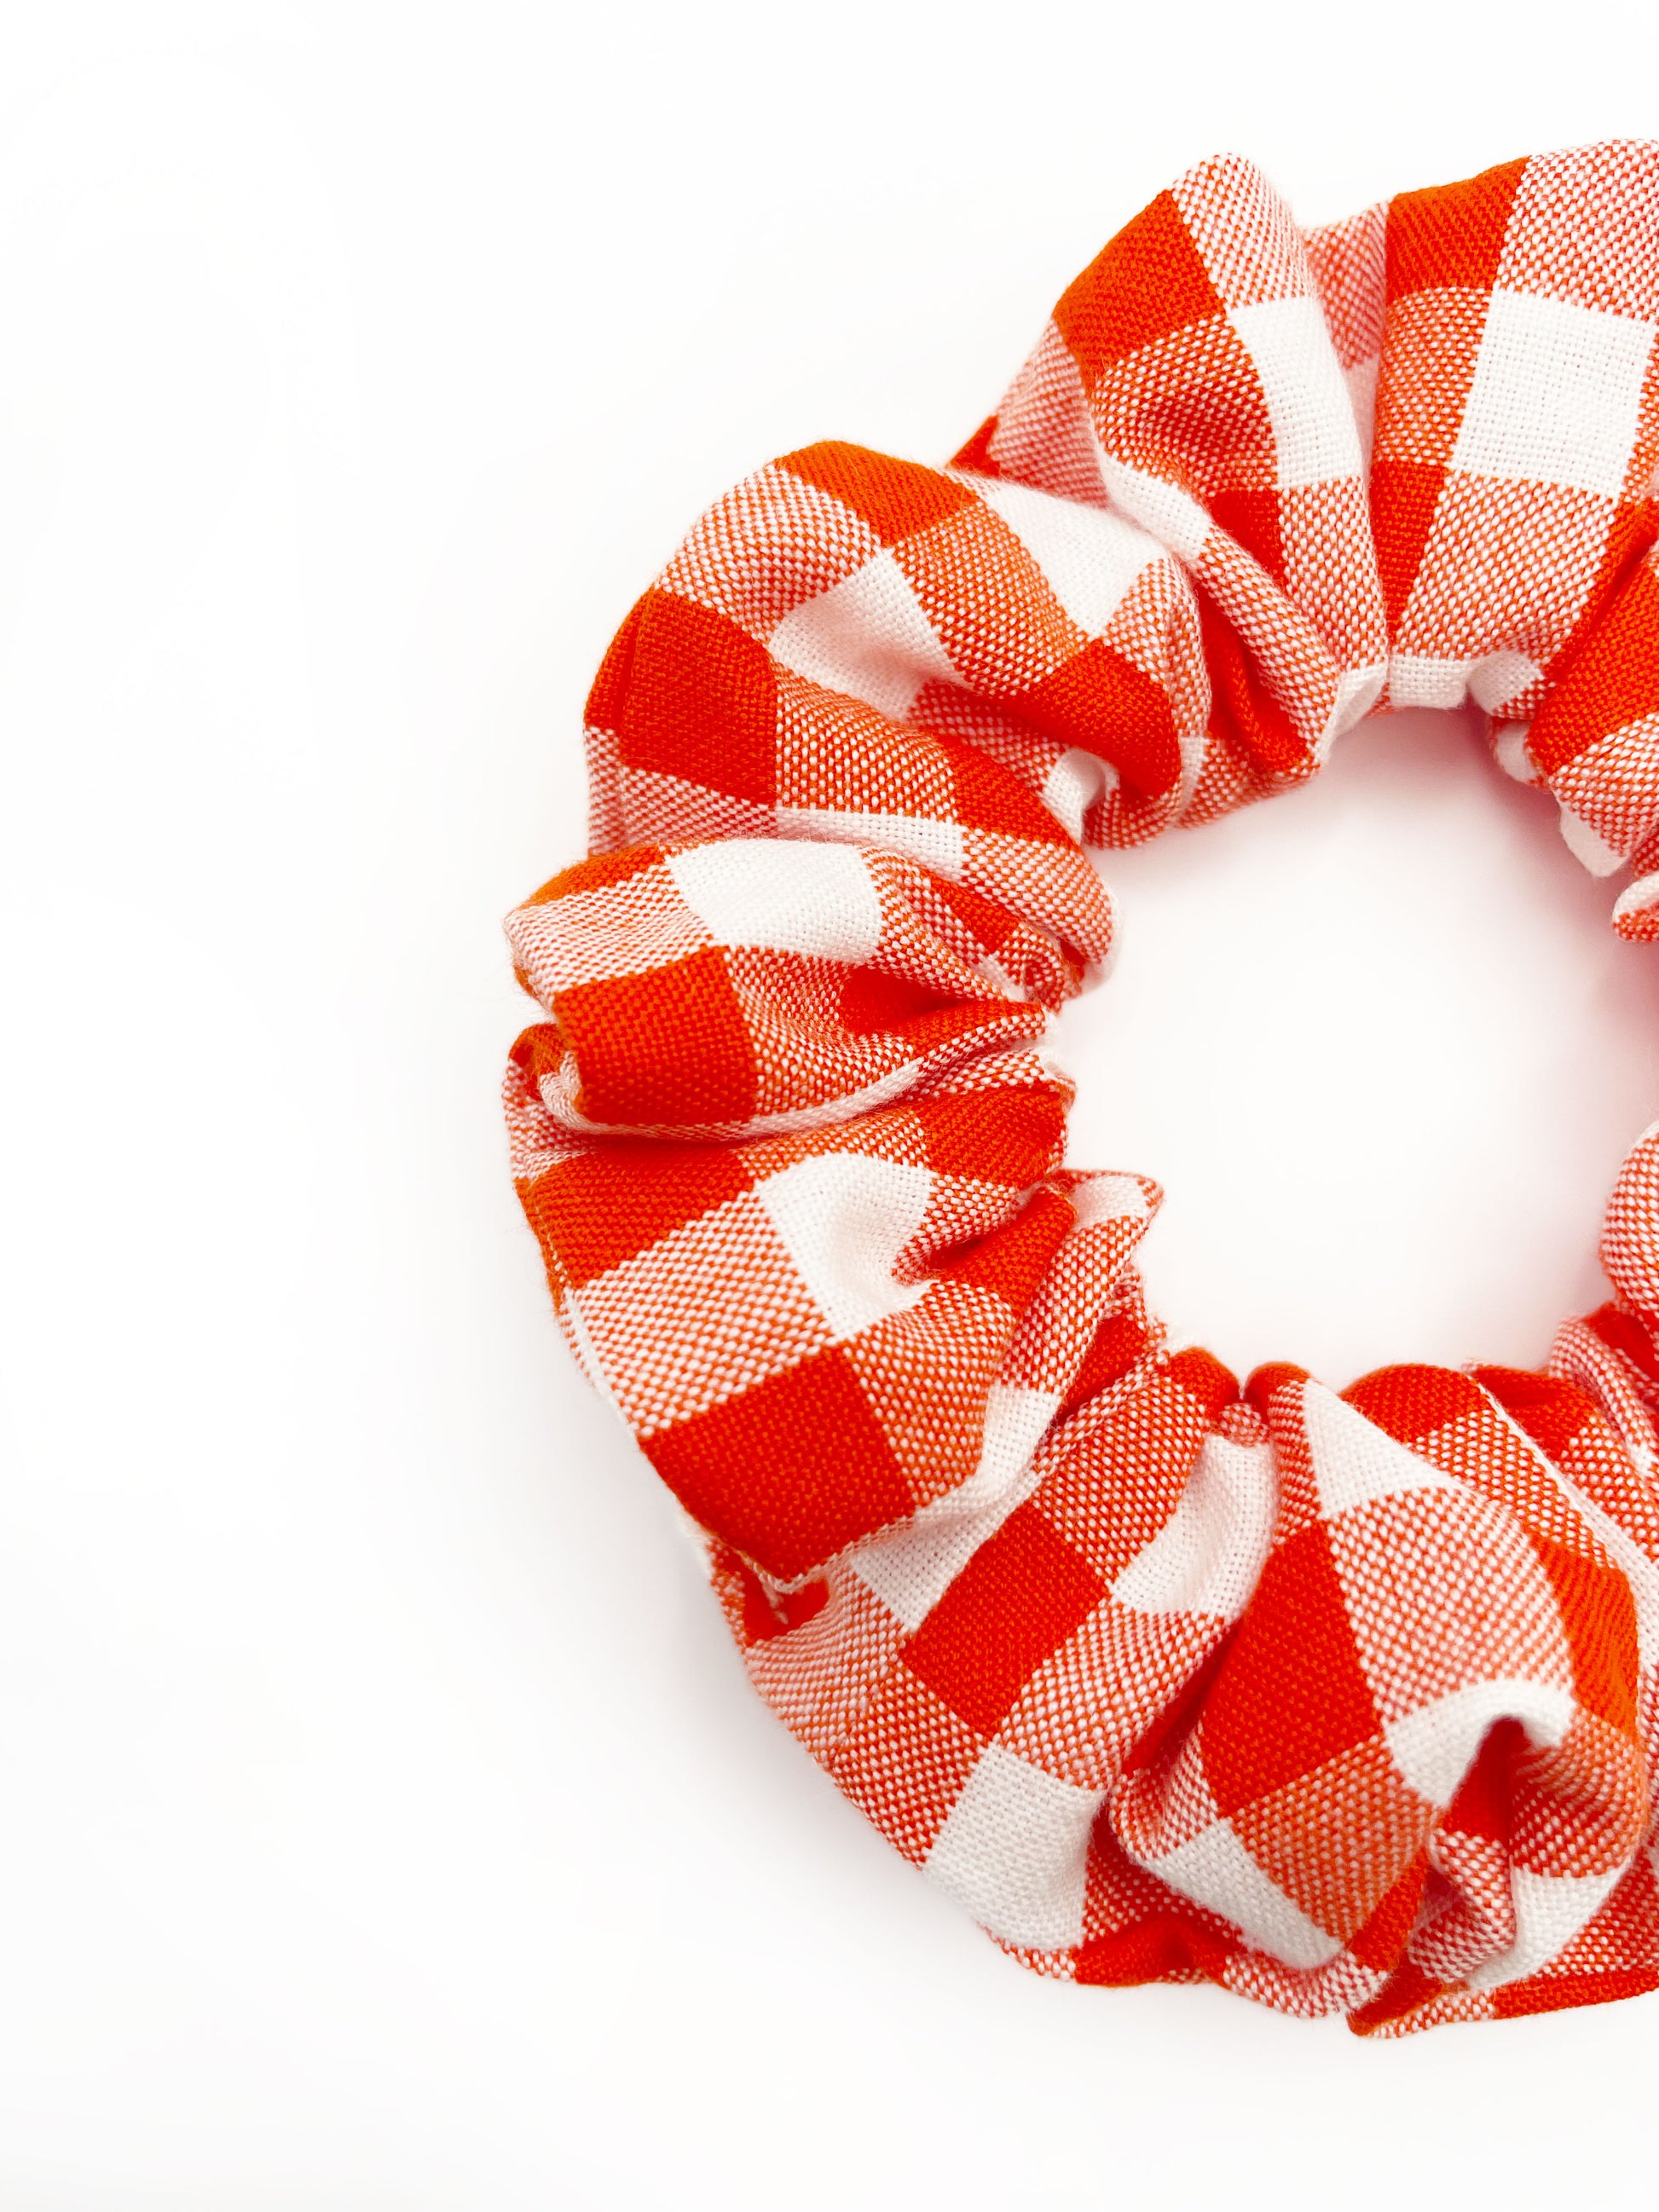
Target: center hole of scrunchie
1379 1043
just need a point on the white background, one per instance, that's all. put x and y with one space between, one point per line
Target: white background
384 1822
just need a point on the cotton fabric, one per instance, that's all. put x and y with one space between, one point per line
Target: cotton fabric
1345 1701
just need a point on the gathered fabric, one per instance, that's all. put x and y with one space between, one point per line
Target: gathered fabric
1346 1700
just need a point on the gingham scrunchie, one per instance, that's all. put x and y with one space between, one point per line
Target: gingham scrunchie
1344 1701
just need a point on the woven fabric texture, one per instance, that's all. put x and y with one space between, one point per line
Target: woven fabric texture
1345 1701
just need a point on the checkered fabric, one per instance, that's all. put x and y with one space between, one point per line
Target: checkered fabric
1347 1702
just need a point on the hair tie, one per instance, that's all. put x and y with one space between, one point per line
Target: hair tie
1344 1701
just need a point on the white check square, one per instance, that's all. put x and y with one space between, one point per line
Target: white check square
1315 434
1091 556
844 1218
785 895
868 637
1014 1851
1556 394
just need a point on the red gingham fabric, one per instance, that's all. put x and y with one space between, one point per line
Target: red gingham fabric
1344 1701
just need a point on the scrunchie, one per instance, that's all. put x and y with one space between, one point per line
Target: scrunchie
1344 1701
